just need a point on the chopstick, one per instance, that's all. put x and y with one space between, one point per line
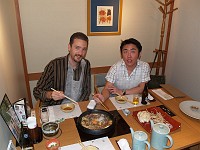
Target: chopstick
82 145
102 103
118 94
65 96
125 98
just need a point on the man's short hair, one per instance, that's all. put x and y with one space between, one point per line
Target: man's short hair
131 41
78 35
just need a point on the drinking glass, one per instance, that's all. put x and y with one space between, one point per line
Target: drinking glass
136 99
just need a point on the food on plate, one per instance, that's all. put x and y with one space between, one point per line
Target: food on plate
194 108
68 107
52 144
96 121
144 116
50 128
90 147
121 99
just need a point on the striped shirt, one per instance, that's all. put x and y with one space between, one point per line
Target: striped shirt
54 76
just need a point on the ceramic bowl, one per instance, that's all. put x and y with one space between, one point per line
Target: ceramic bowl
121 99
68 107
52 144
50 128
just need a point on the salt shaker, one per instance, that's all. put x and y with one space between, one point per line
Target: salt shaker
44 115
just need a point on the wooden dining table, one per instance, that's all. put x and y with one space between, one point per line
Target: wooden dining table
187 135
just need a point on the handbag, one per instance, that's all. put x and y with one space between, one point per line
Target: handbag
156 80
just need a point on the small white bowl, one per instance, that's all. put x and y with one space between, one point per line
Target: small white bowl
68 107
50 128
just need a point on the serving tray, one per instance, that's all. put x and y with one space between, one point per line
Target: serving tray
147 126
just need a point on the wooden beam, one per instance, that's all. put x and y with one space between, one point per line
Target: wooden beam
23 52
95 70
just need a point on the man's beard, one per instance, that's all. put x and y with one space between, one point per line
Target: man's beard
79 58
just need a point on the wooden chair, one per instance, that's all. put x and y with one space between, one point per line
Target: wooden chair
99 82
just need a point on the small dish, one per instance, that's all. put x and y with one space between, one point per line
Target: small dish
90 147
52 144
68 107
50 128
121 99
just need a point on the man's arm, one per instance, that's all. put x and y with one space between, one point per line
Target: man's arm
105 92
44 84
136 90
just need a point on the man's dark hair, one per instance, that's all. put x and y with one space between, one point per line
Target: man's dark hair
131 41
78 35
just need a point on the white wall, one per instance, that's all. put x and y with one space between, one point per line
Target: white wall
11 77
48 24
182 66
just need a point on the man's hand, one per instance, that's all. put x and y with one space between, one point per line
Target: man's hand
55 95
98 98
113 90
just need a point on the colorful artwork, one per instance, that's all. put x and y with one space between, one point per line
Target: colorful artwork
104 15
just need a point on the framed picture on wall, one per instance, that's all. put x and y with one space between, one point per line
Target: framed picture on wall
104 17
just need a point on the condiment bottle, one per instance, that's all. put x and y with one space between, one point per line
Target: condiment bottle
25 141
144 95
33 129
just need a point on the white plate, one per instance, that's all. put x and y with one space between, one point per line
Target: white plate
186 107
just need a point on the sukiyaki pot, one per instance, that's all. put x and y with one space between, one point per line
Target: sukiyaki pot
96 122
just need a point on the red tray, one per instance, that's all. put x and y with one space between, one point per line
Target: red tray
175 124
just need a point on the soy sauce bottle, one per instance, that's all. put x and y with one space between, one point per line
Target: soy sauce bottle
144 95
25 140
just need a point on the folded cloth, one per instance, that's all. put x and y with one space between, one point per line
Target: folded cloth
123 144
150 97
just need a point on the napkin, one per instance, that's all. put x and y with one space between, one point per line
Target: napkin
162 94
150 97
91 104
123 144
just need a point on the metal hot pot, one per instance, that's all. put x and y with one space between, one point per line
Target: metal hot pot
96 118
